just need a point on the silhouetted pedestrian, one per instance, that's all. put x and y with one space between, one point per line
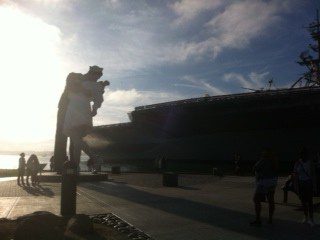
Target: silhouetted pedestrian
317 175
163 164
29 169
266 172
52 164
236 160
289 185
90 164
303 174
35 170
21 169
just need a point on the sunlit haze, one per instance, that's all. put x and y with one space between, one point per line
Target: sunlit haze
151 51
31 76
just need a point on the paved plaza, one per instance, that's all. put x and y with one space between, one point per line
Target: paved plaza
202 207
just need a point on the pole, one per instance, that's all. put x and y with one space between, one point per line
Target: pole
68 189
318 37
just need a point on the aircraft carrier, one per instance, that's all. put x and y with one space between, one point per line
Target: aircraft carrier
205 132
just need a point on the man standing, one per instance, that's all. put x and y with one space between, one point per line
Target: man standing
21 168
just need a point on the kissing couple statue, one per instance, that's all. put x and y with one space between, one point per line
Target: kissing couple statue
75 113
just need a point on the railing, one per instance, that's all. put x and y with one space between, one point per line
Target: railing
231 96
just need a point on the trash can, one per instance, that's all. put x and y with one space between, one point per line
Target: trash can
115 169
170 179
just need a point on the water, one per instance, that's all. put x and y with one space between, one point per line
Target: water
10 161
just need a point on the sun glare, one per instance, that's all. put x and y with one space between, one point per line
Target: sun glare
30 74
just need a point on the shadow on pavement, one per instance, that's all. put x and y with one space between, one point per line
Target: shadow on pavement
38 190
216 216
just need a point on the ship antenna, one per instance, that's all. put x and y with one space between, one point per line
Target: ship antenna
270 82
312 77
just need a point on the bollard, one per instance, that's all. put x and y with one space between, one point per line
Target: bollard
214 171
68 189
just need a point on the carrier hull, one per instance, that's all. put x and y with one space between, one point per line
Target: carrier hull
209 130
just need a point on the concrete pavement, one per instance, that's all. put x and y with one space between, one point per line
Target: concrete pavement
203 207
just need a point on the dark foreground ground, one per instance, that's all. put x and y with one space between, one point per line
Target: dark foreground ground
202 207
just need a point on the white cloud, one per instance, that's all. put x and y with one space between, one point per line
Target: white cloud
201 84
49 1
122 97
112 3
138 35
253 81
258 78
122 41
187 10
120 102
235 27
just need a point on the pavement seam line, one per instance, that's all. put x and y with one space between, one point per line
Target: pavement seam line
13 206
90 197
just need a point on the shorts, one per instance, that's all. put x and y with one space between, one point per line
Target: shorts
305 190
266 185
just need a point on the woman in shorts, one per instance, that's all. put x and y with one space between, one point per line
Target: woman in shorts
266 172
303 175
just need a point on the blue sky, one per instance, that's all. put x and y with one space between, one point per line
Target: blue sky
155 50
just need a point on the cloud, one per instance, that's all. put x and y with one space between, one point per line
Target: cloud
187 10
201 84
253 80
122 97
136 35
122 40
235 27
118 103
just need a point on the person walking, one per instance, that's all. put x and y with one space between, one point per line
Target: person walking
304 185
289 184
21 169
266 172
52 164
29 169
236 160
35 170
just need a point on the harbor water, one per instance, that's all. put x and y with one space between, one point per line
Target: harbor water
11 161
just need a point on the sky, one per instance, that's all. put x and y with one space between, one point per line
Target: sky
151 50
